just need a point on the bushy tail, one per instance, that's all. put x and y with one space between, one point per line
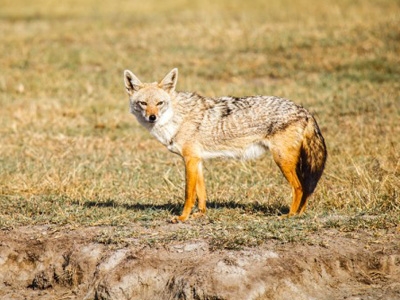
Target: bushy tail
313 156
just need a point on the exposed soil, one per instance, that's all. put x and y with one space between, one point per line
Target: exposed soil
40 263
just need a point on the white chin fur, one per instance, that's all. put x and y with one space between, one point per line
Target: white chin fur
165 117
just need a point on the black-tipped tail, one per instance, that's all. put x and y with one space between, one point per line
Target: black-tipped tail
313 156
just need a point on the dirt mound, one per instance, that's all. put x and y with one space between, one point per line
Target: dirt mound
40 263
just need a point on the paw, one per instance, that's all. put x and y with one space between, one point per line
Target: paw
286 216
180 219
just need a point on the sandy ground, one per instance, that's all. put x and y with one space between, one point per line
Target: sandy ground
43 263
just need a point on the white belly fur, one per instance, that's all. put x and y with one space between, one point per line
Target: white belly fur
251 152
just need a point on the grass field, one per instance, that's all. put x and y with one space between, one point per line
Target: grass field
71 155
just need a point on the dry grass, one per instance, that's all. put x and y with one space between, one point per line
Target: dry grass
70 153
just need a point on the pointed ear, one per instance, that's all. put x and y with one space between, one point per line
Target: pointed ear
169 82
132 83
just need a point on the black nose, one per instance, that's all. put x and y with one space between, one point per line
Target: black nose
152 118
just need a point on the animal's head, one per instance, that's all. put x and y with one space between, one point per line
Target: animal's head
149 101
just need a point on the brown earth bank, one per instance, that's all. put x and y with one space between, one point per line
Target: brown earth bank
43 263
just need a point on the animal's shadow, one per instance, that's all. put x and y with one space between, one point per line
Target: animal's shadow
176 208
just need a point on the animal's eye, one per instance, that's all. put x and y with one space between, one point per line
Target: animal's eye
142 103
160 103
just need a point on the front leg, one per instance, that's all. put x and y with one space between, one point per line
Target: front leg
191 171
201 190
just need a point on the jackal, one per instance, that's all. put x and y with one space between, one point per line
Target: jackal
197 128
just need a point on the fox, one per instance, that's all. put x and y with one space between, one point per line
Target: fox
198 128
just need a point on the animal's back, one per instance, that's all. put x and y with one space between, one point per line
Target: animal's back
230 120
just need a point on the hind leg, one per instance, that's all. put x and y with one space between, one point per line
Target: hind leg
303 202
289 171
287 162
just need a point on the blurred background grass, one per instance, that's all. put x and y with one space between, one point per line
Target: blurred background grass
70 153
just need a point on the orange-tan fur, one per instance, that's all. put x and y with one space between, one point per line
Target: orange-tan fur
198 128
